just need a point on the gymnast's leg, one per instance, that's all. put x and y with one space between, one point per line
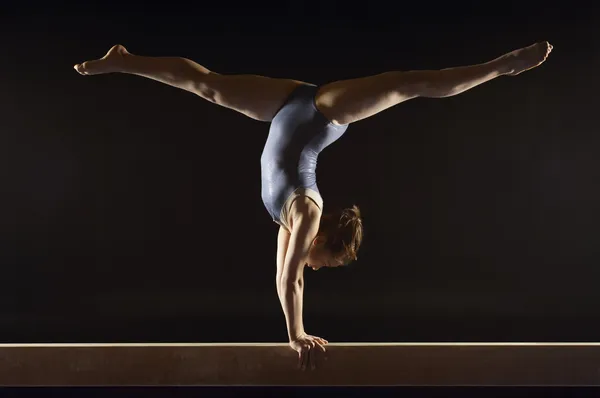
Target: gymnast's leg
348 101
257 97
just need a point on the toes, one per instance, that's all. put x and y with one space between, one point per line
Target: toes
548 51
79 69
83 68
545 49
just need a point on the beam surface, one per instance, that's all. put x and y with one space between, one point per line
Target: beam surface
274 364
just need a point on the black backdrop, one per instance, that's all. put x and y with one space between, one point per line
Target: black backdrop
131 211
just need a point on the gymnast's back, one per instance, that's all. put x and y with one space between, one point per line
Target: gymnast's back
298 133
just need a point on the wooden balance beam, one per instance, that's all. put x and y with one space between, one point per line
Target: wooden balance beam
274 364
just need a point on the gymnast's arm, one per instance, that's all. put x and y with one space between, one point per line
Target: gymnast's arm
305 226
283 240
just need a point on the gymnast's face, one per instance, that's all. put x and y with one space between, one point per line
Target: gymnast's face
320 257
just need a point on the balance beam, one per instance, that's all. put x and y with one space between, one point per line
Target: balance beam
274 364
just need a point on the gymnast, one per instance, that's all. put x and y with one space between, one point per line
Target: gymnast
305 119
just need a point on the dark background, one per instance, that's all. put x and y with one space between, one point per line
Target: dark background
131 211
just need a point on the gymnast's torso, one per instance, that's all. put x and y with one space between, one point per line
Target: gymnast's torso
298 133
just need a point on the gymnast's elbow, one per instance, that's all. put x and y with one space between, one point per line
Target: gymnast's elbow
290 283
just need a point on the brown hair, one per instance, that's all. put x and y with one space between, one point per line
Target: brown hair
343 233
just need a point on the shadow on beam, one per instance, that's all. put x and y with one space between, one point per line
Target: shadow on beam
351 364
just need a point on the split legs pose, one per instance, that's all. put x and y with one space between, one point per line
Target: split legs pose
342 102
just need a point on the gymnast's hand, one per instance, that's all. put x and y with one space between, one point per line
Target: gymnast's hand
308 348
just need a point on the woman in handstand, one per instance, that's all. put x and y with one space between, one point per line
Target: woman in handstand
304 119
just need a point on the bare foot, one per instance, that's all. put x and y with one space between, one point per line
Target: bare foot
526 58
107 64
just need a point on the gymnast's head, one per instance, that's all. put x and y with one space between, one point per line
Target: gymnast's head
339 238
